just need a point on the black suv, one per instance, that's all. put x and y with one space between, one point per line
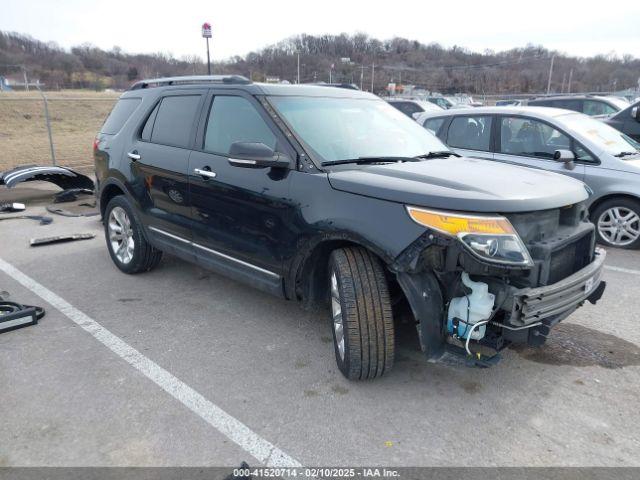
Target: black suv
591 105
332 197
627 121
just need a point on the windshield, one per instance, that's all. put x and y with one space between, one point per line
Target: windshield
620 103
608 138
348 128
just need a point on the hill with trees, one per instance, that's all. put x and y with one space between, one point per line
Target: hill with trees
343 58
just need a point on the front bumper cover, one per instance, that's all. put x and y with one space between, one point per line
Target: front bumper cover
532 305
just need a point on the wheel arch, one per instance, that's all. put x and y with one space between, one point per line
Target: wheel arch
307 281
111 188
610 196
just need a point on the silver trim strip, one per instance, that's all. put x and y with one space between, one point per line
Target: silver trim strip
175 237
242 161
215 252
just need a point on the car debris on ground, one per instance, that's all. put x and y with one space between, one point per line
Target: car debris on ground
44 220
37 242
12 207
14 315
64 177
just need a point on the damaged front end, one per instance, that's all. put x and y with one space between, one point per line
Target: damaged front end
476 284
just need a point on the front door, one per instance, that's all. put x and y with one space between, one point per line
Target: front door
533 143
240 215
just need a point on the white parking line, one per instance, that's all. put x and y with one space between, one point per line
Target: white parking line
622 270
232 428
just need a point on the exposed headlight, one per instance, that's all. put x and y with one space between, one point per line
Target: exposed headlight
491 238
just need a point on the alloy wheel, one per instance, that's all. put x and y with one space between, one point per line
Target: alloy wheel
336 310
619 226
121 235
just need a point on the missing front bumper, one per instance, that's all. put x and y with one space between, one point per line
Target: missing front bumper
536 304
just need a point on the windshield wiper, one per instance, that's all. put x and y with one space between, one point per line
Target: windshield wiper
386 159
439 154
391 159
626 154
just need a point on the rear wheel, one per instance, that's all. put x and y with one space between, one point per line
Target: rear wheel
361 316
618 223
126 243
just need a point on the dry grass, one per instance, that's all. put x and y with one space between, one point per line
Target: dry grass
76 117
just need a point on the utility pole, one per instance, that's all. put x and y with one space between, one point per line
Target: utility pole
298 68
26 81
564 80
373 72
330 71
570 77
361 75
550 73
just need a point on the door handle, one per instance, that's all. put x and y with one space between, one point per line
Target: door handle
205 172
134 155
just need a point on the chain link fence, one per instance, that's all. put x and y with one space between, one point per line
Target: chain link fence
74 119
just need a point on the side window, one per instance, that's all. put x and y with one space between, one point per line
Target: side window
582 155
473 133
434 124
531 138
148 126
174 120
594 107
234 119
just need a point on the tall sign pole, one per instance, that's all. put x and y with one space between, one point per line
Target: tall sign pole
206 34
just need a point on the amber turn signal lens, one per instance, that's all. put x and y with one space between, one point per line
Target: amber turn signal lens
453 224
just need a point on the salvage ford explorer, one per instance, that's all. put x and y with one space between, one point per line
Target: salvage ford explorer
333 198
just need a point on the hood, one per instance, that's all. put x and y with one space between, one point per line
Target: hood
463 184
628 166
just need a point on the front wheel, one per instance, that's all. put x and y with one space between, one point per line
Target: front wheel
361 316
618 223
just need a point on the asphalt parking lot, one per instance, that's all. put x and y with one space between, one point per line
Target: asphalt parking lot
183 367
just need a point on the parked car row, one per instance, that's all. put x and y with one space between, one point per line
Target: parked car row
561 141
594 106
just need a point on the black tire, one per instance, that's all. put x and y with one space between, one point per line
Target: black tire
628 204
145 257
367 319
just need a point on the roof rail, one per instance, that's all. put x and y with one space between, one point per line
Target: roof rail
190 80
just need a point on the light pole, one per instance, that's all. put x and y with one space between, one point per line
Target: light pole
206 34
550 73
373 72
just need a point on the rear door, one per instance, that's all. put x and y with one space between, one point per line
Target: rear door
470 135
159 162
531 142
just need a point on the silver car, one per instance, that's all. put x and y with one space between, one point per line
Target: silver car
561 141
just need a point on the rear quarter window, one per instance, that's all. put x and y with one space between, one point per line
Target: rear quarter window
119 115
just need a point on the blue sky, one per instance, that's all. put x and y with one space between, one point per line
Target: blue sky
578 28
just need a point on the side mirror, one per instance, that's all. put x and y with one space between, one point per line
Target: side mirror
566 156
635 113
256 155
